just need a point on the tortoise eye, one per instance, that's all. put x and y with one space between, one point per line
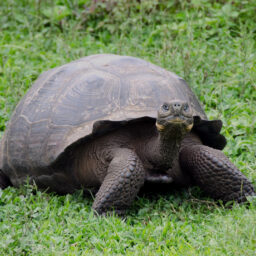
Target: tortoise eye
186 107
165 107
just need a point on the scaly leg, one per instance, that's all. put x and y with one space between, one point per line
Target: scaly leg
212 171
124 178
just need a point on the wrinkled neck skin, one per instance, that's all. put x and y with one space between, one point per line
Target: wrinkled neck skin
167 143
170 142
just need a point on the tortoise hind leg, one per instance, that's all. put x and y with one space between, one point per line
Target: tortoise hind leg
56 182
4 180
212 171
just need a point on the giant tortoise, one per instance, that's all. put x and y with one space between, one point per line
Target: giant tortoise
115 123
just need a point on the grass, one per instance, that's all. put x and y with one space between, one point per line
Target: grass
209 43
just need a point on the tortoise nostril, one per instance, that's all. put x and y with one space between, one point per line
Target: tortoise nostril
176 106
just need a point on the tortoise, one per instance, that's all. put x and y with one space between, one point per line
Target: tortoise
115 123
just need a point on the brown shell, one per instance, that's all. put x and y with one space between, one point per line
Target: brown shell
65 102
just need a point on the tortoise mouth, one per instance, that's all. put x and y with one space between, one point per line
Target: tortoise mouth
174 122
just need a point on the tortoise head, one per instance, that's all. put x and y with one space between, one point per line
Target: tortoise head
175 116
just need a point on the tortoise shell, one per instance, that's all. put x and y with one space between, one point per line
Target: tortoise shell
88 97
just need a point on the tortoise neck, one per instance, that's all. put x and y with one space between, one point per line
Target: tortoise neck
163 147
169 145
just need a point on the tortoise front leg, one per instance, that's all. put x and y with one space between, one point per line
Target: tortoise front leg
212 171
124 178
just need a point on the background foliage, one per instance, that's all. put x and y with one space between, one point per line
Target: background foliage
209 43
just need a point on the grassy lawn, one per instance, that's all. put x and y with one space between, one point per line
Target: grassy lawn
209 43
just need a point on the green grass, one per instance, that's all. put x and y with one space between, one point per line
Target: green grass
209 43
